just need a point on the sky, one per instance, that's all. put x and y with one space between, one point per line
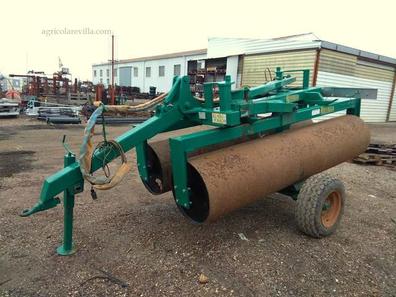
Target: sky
31 35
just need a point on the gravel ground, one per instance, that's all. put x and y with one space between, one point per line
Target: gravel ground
130 243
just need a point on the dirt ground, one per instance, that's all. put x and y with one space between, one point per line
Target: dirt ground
130 243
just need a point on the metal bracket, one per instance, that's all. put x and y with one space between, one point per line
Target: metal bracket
66 146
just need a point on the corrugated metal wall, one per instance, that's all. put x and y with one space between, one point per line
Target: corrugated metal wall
335 62
375 73
343 70
372 110
254 66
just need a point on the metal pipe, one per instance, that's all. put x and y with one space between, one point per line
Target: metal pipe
63 120
112 70
316 68
391 98
225 180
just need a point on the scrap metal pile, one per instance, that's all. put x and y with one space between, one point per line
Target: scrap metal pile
59 115
256 146
9 107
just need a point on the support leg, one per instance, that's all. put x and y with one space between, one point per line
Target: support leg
67 247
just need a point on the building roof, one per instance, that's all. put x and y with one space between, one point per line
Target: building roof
158 57
223 47
219 47
357 52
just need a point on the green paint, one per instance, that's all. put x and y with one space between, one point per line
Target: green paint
68 204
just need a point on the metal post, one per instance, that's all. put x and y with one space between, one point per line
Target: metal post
67 247
225 94
316 68
278 73
391 98
305 79
112 70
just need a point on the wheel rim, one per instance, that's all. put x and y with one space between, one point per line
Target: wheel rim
331 209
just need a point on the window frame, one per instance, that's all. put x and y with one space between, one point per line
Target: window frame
149 72
162 67
179 69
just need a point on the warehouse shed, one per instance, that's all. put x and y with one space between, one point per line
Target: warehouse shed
251 62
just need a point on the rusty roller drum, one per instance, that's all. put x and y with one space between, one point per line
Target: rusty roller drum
159 162
160 166
228 179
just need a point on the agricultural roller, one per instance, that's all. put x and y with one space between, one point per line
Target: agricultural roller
257 141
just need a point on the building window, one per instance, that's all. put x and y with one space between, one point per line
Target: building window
108 81
201 64
135 71
107 72
94 73
176 70
161 71
115 72
101 72
101 80
15 83
148 71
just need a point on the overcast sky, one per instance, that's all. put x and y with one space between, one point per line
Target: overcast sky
149 27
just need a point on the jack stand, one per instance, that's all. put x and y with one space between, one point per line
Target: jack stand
67 248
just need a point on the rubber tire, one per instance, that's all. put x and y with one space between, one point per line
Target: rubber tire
310 202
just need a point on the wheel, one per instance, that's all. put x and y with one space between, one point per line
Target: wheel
320 205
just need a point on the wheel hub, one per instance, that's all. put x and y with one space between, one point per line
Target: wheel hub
331 209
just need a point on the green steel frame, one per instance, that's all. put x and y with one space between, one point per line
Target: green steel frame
235 113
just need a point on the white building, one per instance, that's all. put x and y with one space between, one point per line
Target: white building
144 72
248 62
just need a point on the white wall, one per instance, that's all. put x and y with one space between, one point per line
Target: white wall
232 70
104 77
